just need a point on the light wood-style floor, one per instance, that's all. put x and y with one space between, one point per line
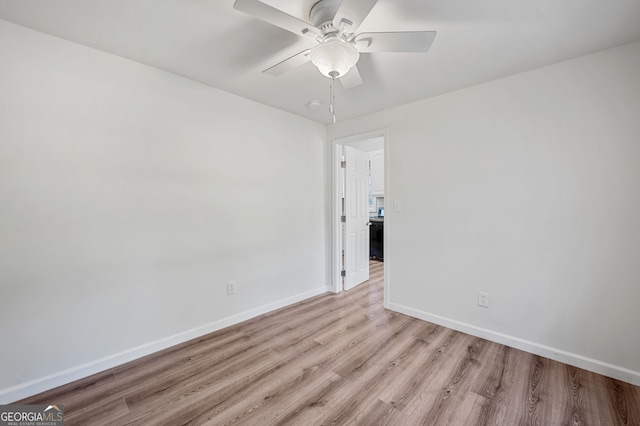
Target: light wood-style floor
343 359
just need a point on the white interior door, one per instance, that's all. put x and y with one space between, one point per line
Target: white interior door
356 250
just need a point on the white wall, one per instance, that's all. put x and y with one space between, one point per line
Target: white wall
527 188
128 197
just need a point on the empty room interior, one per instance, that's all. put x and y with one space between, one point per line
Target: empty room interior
321 212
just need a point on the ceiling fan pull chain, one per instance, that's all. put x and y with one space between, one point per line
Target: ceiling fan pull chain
332 100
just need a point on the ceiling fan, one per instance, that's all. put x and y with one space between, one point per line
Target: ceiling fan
333 25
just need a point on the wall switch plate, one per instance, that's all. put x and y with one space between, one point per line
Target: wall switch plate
483 299
231 288
397 206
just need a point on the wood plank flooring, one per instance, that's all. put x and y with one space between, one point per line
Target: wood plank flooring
344 359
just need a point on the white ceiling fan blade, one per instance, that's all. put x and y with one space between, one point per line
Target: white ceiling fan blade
275 17
289 64
403 41
353 11
351 79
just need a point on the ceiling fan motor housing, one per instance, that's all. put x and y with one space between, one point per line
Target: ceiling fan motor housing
322 14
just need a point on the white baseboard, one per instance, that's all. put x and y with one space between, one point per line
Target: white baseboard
606 369
51 381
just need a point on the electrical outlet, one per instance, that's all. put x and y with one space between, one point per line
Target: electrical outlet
483 299
231 288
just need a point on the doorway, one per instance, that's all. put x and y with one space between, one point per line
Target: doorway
374 146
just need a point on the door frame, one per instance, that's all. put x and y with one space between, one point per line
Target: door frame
336 228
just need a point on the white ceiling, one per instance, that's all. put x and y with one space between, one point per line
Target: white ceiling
210 42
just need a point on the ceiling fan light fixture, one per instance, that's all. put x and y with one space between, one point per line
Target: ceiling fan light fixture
334 57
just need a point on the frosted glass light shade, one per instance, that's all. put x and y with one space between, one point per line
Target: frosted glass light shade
334 57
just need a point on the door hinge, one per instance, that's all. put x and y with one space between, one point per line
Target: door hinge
343 219
343 164
343 273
